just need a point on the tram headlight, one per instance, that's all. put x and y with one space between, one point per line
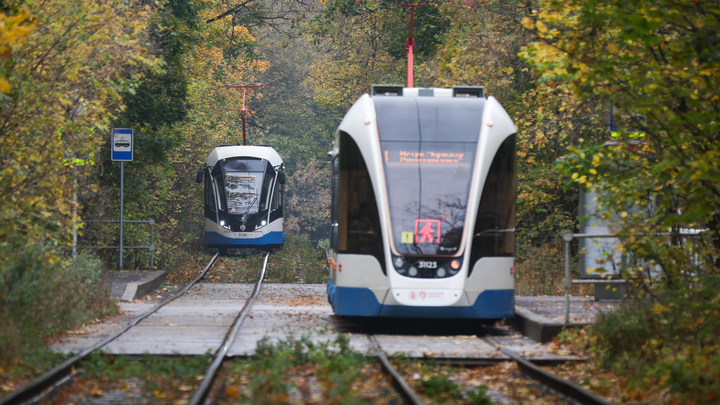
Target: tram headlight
222 223
398 262
454 267
440 272
413 271
263 223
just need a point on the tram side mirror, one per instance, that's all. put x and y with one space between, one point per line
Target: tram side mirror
281 177
200 175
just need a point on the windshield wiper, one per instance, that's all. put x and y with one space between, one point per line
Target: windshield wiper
251 205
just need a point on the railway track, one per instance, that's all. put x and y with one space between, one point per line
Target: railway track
37 389
381 344
562 388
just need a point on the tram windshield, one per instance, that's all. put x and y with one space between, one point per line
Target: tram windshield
429 146
246 186
242 191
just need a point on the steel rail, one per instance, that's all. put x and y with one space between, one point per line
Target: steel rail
36 388
550 380
203 390
398 381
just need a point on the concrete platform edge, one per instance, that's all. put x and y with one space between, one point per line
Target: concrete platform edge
537 327
138 289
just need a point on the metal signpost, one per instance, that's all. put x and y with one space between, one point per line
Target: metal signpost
121 144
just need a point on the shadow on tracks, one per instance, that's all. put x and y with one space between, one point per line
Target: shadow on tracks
420 327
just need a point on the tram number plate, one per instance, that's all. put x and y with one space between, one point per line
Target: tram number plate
422 264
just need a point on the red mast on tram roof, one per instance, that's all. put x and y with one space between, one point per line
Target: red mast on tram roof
410 41
245 87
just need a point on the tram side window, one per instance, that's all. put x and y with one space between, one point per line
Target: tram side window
277 197
494 233
334 204
209 194
359 223
276 207
267 182
220 187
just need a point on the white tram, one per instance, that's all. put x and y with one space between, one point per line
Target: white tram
423 206
244 198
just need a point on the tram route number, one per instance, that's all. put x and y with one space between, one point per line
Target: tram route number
422 264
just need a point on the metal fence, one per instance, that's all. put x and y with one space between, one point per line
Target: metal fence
568 281
150 248
568 237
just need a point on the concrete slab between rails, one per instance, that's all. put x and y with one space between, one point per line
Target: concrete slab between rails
542 318
139 288
537 327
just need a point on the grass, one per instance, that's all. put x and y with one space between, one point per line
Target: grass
301 370
143 379
298 261
438 384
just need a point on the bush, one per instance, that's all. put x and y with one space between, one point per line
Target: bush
539 270
672 338
42 294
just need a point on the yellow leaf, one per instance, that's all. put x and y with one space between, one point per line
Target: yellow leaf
575 176
232 392
5 87
541 26
613 48
624 214
658 308
527 23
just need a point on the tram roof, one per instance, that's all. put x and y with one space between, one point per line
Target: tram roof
400 91
234 151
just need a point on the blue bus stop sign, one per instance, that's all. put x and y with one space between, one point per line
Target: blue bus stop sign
121 145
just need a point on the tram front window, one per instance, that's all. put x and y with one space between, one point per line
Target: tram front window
428 185
242 190
428 150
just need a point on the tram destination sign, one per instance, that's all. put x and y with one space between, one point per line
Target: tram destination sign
121 145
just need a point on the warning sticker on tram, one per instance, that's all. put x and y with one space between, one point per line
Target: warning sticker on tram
407 237
427 231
